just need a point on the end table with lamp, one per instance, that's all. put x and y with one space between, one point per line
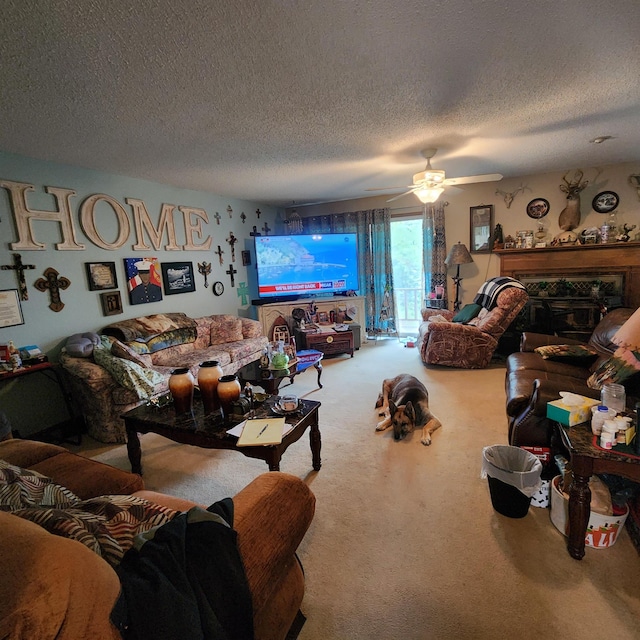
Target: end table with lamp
459 254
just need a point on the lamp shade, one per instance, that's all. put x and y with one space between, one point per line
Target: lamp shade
628 335
427 195
458 254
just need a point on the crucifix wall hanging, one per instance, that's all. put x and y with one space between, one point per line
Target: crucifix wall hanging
232 242
54 284
266 229
217 216
219 253
229 210
204 268
19 268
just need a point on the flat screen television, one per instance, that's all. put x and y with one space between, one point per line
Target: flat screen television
306 265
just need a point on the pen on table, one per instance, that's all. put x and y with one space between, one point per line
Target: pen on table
262 430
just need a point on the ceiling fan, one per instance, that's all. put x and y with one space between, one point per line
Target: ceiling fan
430 183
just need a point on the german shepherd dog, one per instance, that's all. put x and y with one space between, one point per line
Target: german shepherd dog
404 403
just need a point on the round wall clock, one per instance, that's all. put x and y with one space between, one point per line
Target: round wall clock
218 288
605 201
538 208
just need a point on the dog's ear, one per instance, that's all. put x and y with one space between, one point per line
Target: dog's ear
392 407
409 411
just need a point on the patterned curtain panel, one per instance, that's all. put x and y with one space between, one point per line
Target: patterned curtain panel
435 249
373 227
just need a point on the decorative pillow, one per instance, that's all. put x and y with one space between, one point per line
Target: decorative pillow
225 328
251 328
621 365
80 345
579 354
121 350
467 313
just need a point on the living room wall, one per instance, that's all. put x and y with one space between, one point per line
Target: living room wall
82 309
514 218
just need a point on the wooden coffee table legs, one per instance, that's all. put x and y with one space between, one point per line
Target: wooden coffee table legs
134 451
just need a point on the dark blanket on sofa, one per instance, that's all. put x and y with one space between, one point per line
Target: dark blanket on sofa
188 581
145 328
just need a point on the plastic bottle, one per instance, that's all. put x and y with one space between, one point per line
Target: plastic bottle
599 415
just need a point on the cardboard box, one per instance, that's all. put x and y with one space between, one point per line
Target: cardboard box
570 415
542 453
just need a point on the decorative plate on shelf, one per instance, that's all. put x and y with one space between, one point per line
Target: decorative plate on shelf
538 208
605 201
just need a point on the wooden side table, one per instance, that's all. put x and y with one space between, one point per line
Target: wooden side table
329 342
587 459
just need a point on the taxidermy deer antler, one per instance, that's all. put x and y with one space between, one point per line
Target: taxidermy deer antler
508 197
569 217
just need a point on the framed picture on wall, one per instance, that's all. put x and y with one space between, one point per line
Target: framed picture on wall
111 303
481 224
10 309
178 277
101 275
246 258
144 281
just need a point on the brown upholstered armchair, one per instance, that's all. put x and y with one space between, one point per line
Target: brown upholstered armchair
470 345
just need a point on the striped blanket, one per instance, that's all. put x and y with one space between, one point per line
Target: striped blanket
487 295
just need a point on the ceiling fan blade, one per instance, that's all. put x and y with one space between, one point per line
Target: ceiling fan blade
386 188
402 195
487 177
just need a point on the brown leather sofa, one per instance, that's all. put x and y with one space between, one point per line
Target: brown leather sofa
55 587
532 381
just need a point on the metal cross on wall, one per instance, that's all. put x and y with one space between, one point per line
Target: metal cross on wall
258 213
231 271
219 253
217 216
266 229
19 268
229 210
255 231
54 284
243 217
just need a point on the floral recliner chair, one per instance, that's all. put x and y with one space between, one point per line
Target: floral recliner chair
470 341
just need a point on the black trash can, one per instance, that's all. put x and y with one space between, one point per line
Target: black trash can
513 475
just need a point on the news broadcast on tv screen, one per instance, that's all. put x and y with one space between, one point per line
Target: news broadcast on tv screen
306 264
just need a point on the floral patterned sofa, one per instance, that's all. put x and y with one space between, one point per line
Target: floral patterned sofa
143 351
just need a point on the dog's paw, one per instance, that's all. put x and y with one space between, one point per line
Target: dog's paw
384 424
425 441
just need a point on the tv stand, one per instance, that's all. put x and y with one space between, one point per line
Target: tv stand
268 313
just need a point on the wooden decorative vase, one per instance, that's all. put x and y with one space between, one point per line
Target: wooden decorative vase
228 392
181 384
208 375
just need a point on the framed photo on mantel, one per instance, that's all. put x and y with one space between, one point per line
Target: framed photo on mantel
481 224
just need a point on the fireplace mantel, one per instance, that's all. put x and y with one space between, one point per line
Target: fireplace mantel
592 260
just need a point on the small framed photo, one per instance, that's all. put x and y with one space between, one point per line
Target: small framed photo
323 317
177 277
111 303
101 275
246 258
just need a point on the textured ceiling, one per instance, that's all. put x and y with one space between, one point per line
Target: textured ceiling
279 100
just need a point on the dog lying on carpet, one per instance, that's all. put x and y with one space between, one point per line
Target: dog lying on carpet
404 403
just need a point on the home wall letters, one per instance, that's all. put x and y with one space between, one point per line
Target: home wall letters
192 220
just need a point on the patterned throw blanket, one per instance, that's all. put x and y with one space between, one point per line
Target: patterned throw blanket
144 328
487 295
107 525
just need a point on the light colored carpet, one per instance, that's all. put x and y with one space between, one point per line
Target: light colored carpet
405 543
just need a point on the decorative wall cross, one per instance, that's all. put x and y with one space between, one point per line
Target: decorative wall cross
19 268
229 210
217 216
231 271
54 284
243 217
232 242
219 253
266 229
204 268
255 231
258 213
243 292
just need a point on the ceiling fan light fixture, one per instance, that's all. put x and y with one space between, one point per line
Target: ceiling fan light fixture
429 175
428 194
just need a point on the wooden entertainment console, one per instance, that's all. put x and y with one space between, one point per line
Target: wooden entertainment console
267 313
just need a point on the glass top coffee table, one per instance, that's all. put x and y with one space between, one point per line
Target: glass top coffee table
270 379
210 432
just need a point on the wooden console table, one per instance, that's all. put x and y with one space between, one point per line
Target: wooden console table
329 342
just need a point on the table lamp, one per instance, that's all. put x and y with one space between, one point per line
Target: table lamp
458 255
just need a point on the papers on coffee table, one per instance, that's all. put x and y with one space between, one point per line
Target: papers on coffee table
261 431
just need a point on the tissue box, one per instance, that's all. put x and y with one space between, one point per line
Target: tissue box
570 415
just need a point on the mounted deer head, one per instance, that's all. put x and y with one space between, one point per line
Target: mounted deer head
569 217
